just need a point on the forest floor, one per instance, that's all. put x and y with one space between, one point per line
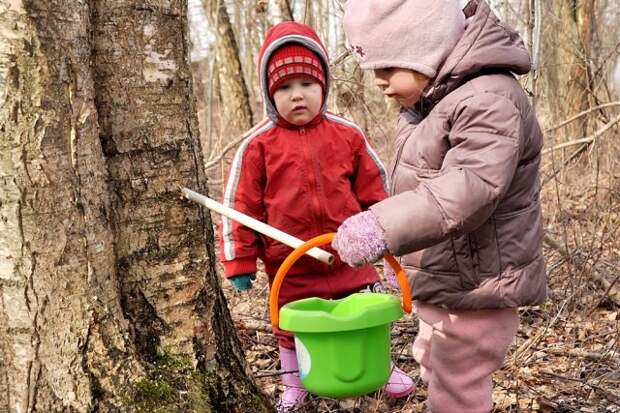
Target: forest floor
563 359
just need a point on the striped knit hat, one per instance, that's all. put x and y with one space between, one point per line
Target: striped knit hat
290 61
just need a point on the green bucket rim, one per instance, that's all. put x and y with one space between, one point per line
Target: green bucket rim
377 309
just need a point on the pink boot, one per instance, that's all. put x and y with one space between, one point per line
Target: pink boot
399 383
294 393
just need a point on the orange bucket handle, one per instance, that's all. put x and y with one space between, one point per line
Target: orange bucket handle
315 242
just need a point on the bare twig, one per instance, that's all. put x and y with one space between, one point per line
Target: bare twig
587 140
584 382
286 10
565 163
532 341
591 139
232 144
610 286
340 58
582 114
576 352
272 373
597 273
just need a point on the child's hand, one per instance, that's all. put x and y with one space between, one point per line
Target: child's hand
360 240
243 282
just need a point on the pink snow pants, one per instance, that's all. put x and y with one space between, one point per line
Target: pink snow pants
458 351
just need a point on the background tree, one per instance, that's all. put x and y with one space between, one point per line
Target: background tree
234 92
570 61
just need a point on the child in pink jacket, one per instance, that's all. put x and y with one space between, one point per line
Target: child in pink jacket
464 216
302 170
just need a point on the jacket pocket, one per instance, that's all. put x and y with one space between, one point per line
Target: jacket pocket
519 236
437 258
485 249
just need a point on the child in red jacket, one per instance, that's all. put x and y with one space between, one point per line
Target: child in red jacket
304 171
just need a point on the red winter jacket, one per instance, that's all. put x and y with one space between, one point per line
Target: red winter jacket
302 180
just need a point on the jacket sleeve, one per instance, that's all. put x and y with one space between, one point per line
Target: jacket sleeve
240 245
476 172
370 183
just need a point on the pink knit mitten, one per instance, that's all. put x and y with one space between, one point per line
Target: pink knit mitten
389 275
360 240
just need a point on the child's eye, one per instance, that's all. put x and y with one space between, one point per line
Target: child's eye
307 84
284 87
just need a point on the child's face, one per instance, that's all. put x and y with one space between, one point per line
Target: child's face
299 100
404 85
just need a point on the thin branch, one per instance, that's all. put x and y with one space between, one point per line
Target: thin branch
581 114
587 140
597 274
215 160
285 9
340 5
584 382
340 58
271 373
566 162
533 341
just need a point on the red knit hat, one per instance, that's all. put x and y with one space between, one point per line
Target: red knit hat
290 61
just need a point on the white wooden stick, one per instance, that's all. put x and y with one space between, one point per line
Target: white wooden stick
256 225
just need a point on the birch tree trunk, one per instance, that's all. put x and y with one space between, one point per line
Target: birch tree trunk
235 96
109 298
63 326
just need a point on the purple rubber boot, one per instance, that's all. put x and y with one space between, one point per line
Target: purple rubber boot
294 394
399 383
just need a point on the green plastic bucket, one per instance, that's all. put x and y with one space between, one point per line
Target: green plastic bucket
343 346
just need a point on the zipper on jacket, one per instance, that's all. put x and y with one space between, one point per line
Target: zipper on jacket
316 203
399 152
319 188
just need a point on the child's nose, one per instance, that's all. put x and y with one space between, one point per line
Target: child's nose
297 94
